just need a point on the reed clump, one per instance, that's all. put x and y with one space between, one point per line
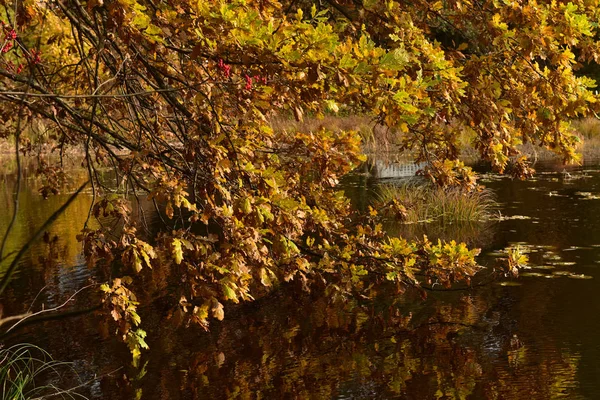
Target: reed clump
418 202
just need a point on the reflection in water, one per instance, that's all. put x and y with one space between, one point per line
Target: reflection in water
534 340
56 261
315 347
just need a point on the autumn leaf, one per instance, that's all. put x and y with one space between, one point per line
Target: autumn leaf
177 251
217 310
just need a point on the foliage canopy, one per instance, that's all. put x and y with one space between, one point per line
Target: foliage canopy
175 97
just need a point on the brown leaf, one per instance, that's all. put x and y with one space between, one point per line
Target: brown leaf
298 113
217 310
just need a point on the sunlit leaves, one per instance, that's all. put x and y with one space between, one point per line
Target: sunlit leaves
122 304
176 99
136 342
515 260
177 251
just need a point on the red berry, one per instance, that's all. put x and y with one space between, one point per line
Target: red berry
226 69
11 35
36 56
248 82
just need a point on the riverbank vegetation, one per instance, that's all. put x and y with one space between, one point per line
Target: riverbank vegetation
418 202
22 366
383 143
175 98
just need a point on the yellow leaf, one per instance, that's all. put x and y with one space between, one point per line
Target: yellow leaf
177 251
264 277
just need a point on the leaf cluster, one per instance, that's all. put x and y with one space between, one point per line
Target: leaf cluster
175 98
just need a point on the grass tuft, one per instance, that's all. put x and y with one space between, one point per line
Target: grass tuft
425 203
23 365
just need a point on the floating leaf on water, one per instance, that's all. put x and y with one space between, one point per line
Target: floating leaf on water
571 248
499 253
545 246
562 263
574 176
587 195
509 283
555 274
554 193
543 267
526 249
579 276
532 274
550 255
510 217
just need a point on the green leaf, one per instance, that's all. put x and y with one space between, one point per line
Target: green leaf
229 293
395 60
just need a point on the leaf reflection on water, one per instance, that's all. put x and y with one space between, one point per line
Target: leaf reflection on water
455 344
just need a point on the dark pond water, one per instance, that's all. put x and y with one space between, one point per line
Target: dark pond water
535 337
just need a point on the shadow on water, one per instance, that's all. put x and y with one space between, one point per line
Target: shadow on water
534 338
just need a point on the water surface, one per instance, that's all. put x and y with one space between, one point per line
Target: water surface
534 337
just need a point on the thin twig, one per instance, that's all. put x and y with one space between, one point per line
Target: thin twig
49 310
